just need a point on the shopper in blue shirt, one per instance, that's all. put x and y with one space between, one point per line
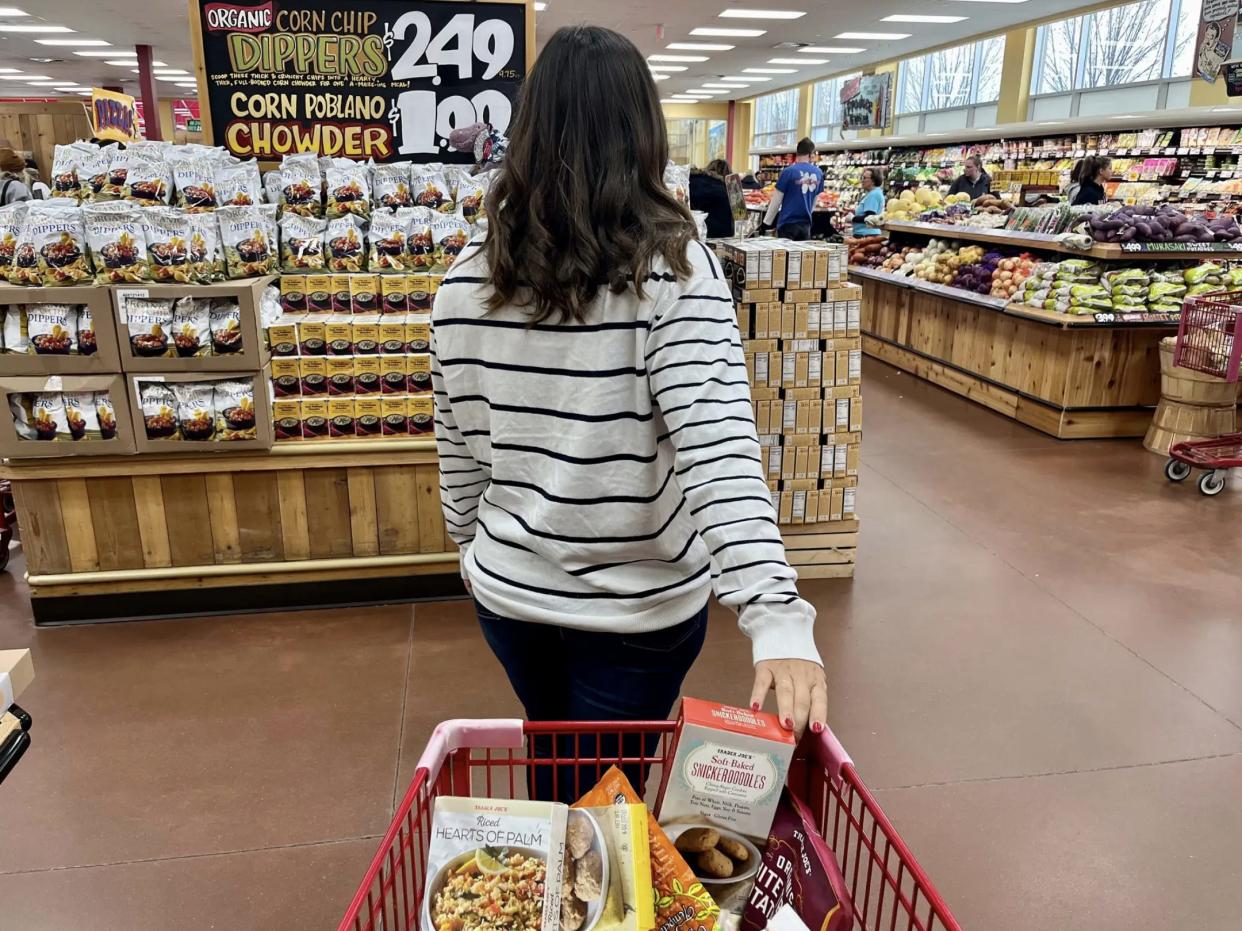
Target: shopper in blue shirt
794 198
872 203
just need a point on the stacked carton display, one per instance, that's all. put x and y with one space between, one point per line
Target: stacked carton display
799 322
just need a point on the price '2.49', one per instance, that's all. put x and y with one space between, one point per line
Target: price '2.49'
420 119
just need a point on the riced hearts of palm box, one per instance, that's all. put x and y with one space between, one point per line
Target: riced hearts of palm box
728 768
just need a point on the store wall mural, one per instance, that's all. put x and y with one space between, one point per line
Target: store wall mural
366 79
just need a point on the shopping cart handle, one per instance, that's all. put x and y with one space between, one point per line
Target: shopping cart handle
829 753
462 734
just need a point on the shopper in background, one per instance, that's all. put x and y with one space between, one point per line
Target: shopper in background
12 178
1093 172
793 201
973 180
709 194
872 203
599 465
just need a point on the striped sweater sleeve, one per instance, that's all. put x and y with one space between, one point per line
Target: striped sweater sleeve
462 478
697 373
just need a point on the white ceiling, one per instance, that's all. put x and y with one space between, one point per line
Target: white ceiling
163 25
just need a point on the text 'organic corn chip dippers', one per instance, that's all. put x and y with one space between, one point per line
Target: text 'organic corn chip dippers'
681 902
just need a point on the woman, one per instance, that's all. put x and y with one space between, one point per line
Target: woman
12 178
1093 172
598 458
872 203
709 194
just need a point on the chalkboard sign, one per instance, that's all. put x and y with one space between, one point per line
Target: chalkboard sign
1233 78
365 79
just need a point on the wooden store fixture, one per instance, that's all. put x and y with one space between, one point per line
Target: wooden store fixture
1069 376
305 513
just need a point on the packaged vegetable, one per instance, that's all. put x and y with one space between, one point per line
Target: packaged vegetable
116 236
238 185
388 236
300 184
346 249
233 402
168 243
1198 290
798 870
681 901
1200 273
301 243
58 239
349 188
196 414
249 238
159 410
52 328
391 182
1160 290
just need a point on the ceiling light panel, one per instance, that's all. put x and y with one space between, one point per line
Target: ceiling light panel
12 11
797 61
769 71
700 46
80 43
24 27
735 13
921 18
727 32
25 77
676 58
745 77
878 36
831 49
668 68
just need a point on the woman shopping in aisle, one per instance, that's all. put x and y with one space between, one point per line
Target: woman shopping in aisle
710 193
599 462
872 203
1091 173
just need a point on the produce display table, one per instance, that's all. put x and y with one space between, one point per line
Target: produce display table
303 524
1073 377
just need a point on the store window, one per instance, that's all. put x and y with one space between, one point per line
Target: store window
776 119
951 78
826 108
1151 40
696 141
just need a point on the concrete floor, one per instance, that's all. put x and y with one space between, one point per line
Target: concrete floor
1037 667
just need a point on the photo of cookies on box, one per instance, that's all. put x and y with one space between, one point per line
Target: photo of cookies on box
715 854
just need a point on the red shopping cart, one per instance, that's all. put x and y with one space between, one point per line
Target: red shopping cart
492 759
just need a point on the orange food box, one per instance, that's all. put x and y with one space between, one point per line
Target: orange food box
728 768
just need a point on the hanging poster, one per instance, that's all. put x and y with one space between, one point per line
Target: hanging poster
366 79
1214 42
114 116
864 102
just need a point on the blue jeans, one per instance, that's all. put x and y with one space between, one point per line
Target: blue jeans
561 674
795 231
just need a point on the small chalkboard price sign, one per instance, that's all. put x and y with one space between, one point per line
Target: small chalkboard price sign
1233 78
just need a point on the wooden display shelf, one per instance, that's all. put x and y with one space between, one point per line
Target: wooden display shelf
822 551
133 524
1048 242
1073 382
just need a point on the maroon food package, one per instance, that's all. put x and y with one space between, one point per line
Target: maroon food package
798 870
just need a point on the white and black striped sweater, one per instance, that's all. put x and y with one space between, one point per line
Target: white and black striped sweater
606 475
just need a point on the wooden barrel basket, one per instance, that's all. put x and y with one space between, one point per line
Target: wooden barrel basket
1193 406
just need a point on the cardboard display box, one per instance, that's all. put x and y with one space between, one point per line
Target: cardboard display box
248 293
13 446
106 358
264 431
16 674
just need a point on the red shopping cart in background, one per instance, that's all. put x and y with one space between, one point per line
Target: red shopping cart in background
491 759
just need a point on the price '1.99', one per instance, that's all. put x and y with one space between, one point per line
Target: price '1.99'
422 122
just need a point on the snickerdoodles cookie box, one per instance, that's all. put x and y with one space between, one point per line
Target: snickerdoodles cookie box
728 766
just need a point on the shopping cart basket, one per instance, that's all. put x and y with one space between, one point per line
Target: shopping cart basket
888 888
1209 334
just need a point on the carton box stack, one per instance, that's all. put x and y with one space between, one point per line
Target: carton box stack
799 322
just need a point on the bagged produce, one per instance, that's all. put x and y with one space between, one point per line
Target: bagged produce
346 250
168 243
301 243
387 237
249 238
56 235
300 184
1198 274
391 182
349 188
116 236
1165 291
238 185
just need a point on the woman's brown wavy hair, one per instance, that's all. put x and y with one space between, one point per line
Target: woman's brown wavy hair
580 201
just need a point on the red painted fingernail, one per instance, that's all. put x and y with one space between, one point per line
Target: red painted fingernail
817 728
789 724
754 706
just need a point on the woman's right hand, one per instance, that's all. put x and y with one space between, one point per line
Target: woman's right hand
801 693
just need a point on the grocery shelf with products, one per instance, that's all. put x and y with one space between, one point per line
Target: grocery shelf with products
799 321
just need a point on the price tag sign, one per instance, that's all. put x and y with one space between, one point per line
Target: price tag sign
364 79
